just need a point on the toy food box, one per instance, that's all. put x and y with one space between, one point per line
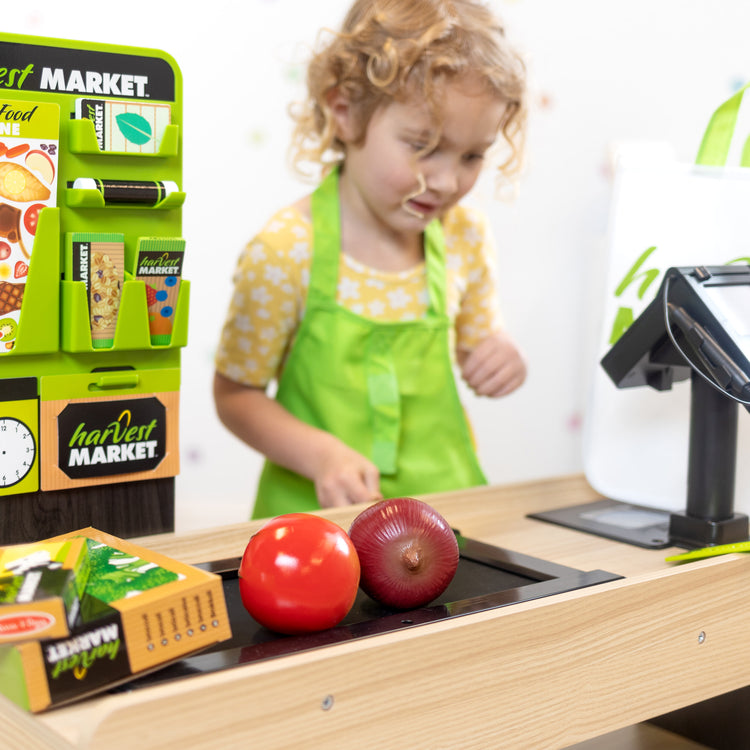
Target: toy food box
139 610
40 589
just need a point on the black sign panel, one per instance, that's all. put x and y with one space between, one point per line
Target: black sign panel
61 70
18 389
105 438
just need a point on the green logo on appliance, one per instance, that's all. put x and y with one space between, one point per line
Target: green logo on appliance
103 438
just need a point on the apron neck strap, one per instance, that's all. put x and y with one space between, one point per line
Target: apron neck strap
324 269
326 222
434 253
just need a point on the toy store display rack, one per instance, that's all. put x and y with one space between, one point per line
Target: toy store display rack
93 309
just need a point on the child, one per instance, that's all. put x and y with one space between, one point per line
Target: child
361 297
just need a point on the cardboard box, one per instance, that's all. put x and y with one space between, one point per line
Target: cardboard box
40 588
140 610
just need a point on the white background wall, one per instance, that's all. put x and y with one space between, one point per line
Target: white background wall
602 73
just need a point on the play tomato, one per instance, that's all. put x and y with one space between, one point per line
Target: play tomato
299 574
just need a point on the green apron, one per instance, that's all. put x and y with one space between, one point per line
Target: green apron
387 389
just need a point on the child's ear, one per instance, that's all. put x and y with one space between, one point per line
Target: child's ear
342 113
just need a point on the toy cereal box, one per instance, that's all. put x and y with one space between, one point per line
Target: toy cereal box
139 610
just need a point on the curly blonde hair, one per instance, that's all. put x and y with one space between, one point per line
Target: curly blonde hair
389 49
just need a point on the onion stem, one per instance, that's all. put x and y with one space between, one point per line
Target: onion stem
411 556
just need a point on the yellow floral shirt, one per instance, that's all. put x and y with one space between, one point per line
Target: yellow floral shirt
272 275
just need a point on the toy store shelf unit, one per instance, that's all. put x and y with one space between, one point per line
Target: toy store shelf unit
93 307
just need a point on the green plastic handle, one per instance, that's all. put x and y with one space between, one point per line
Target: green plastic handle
119 380
719 549
717 139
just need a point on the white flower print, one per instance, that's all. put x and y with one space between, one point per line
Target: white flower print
453 261
275 274
374 283
243 323
260 294
239 372
257 252
348 289
376 308
472 235
398 298
300 252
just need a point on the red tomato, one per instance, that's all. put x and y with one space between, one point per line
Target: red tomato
31 217
299 574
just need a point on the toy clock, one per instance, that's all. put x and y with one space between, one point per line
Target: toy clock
17 450
19 437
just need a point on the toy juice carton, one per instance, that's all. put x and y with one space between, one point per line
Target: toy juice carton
139 610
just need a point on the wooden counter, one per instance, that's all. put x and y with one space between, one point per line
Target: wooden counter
540 674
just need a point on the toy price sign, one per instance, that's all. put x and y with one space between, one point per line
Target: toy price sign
111 437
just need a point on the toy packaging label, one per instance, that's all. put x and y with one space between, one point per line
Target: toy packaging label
129 127
139 610
29 133
159 266
40 589
98 260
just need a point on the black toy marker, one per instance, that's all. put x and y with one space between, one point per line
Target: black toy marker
144 192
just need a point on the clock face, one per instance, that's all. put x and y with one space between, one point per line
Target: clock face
17 451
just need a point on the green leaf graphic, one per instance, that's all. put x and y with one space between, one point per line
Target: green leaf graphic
134 127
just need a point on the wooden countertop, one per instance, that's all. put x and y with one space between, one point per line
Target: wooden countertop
540 674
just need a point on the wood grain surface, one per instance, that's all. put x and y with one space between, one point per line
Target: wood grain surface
547 673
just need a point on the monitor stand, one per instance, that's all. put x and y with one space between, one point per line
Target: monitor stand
709 518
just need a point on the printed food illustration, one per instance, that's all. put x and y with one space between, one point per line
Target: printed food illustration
28 184
11 297
39 162
10 227
18 184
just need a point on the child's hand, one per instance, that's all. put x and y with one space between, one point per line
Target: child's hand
494 368
345 477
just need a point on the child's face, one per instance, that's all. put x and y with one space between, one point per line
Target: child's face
381 172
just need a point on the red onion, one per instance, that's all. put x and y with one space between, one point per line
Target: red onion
407 552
